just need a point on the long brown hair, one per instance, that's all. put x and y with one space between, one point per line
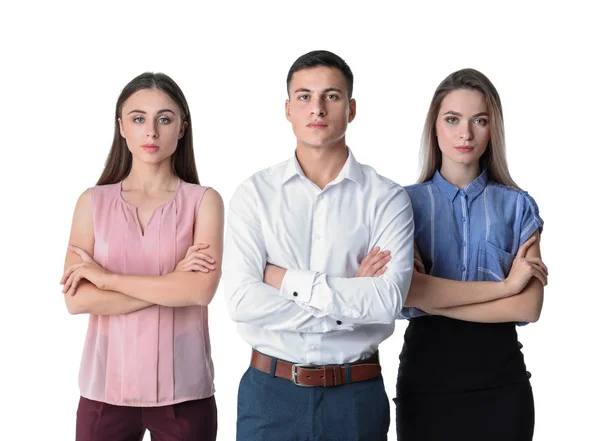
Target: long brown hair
118 163
494 158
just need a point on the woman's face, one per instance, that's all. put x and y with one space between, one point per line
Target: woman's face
462 127
151 124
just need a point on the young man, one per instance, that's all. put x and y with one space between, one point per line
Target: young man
294 282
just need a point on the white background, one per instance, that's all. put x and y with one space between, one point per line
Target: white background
63 66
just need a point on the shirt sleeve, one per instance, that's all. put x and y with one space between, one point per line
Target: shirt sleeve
249 299
411 312
530 219
365 300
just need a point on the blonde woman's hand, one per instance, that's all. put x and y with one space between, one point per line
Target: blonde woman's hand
88 269
418 261
524 268
196 260
373 265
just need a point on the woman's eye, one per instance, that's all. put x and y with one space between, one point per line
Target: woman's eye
452 120
138 119
164 120
480 121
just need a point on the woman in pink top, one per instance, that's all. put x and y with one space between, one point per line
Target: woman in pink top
144 261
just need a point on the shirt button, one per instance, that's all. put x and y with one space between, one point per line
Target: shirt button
318 237
295 294
464 219
462 268
464 244
339 322
462 192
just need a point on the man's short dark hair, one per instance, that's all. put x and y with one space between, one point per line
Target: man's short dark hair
322 58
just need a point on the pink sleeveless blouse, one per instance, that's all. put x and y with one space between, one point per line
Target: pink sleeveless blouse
159 355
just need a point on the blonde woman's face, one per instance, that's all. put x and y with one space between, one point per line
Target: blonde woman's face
462 126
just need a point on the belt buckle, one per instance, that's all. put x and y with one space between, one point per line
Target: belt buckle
295 367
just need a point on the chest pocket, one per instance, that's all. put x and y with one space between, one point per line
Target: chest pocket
493 263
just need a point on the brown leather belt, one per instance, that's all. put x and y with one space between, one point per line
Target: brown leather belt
309 375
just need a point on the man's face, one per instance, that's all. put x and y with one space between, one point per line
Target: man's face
319 107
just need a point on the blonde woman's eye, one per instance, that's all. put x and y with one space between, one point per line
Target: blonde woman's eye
138 119
452 120
481 122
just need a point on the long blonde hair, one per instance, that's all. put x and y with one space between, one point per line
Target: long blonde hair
494 158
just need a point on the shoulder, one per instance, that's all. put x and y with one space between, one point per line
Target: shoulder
212 199
266 179
379 183
507 193
93 197
387 196
416 190
85 201
267 176
207 198
84 213
100 193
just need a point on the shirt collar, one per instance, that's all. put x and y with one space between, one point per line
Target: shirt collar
472 190
351 170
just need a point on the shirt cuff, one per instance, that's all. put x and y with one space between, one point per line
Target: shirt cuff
297 285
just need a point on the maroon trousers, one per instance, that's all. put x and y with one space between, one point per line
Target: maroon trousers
194 420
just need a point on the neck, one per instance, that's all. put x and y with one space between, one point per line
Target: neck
460 175
151 177
322 164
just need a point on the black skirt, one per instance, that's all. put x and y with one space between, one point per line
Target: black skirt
462 380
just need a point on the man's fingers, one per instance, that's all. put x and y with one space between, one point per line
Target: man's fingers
379 257
380 272
371 254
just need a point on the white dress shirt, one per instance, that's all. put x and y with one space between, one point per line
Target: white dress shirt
322 314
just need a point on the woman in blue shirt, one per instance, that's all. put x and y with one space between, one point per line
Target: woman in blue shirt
478 273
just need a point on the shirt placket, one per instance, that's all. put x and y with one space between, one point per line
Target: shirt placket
314 349
465 235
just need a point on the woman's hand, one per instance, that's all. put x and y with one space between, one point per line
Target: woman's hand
196 260
373 265
524 268
88 269
418 261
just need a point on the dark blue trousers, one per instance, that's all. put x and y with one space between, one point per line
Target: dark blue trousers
274 409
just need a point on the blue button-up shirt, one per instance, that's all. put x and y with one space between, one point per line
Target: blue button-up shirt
470 234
